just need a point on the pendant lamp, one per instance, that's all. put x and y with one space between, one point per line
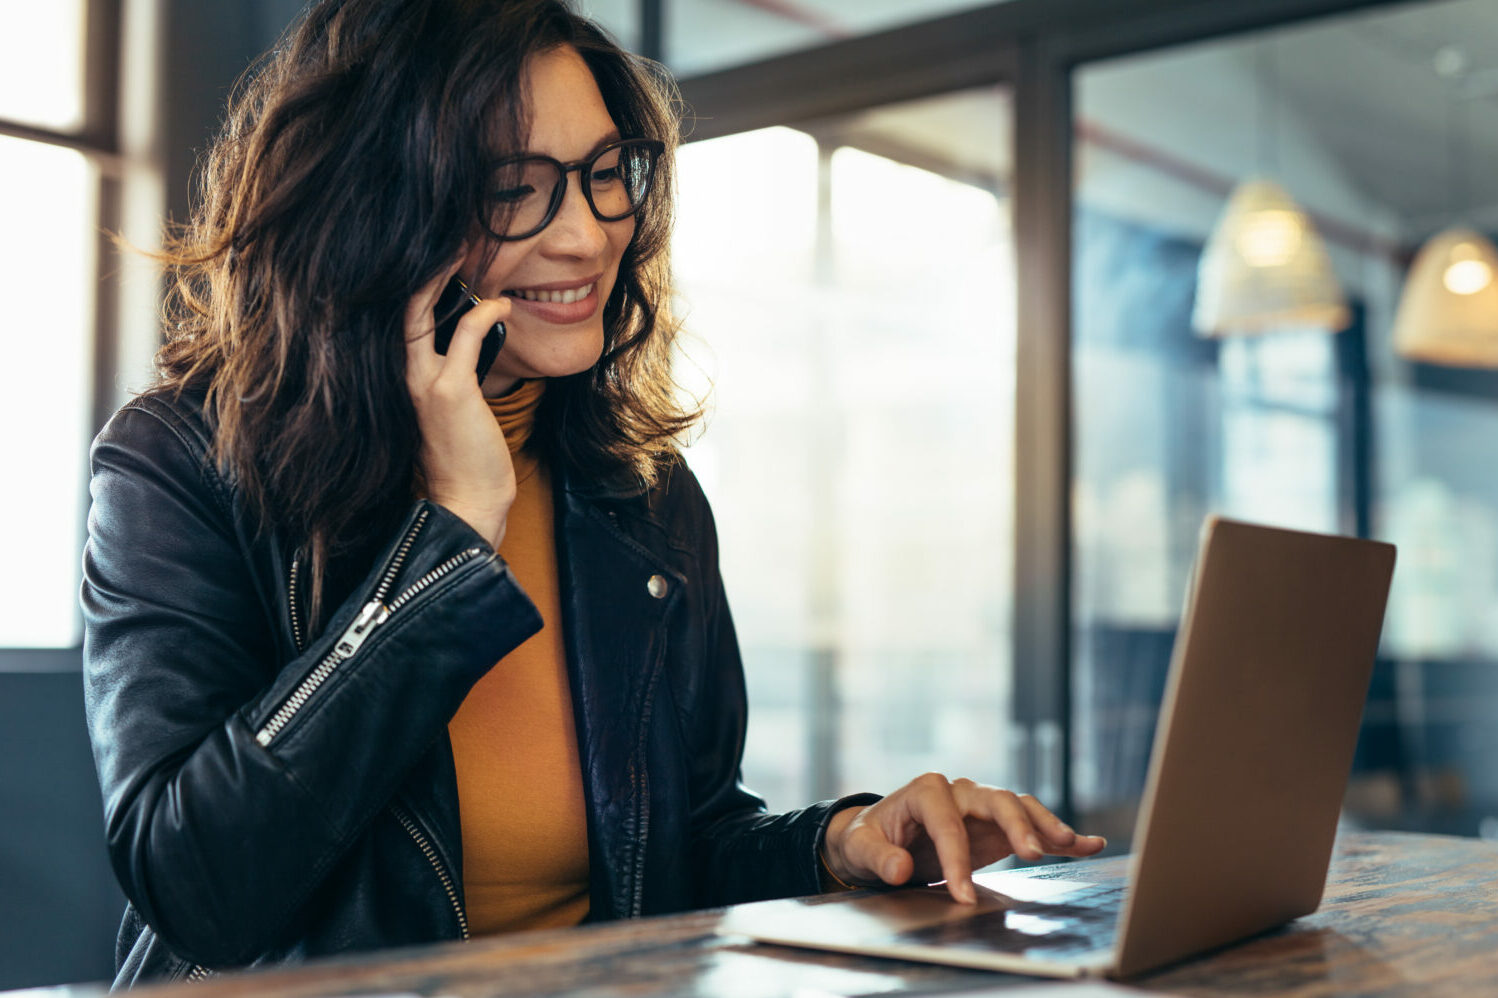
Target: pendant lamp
1265 268
1448 313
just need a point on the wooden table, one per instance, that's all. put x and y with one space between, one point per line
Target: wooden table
1403 915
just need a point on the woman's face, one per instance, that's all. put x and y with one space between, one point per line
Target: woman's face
574 254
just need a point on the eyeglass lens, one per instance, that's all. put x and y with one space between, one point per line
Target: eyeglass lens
527 192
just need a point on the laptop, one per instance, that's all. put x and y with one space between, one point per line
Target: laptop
1235 830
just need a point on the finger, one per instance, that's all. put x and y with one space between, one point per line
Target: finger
419 319
468 338
1059 838
422 361
935 809
1005 810
867 848
1086 845
1053 831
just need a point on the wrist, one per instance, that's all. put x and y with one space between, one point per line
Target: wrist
486 523
831 852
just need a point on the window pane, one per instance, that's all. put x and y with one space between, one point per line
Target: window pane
1441 508
46 267
41 63
859 455
621 18
1170 425
1356 117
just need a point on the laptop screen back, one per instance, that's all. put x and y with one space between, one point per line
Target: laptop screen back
1256 737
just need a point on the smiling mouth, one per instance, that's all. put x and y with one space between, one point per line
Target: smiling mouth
566 297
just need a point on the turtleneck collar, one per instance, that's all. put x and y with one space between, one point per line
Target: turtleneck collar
516 411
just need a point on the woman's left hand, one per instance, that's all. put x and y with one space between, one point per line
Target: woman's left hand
938 829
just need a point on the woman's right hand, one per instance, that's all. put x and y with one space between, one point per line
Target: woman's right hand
463 454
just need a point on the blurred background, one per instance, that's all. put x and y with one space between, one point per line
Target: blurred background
994 302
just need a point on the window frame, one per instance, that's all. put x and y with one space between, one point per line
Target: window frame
98 139
1034 47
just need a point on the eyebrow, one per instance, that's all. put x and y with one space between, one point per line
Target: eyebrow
609 137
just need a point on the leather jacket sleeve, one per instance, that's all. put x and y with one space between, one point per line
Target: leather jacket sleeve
235 772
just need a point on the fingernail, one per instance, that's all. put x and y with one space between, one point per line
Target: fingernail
1033 843
968 893
891 871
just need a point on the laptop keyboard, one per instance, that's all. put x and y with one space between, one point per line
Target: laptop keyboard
1082 921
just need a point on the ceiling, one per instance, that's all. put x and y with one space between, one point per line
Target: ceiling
1408 137
704 35
1351 113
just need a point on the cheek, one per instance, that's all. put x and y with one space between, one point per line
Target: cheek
486 270
473 265
620 239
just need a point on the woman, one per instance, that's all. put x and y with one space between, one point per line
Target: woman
312 542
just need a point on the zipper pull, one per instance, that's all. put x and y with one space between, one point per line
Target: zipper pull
373 614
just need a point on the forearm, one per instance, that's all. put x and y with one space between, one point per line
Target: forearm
752 856
220 847
233 780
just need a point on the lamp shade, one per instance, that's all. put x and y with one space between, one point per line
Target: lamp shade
1448 313
1264 268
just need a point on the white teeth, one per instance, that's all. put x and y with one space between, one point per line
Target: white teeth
558 297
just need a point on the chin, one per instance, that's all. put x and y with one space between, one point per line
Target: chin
560 355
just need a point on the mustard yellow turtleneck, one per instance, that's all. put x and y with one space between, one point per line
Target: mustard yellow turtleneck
525 837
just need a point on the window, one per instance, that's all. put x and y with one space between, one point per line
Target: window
1308 429
852 315
46 280
42 66
50 154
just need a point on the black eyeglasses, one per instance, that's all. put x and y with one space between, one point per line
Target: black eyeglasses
526 192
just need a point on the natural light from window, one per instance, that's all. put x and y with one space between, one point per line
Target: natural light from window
854 316
41 63
46 268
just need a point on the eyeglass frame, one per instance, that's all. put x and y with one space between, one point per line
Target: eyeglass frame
559 191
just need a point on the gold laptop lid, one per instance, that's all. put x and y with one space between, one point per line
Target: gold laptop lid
1256 738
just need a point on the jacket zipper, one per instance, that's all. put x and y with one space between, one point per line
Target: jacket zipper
408 821
371 616
642 789
296 620
637 899
399 558
642 816
387 577
415 588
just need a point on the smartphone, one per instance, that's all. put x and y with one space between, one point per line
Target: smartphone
454 303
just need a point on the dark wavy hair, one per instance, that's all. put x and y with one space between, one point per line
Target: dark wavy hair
352 165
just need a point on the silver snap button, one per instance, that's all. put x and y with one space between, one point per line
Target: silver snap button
656 587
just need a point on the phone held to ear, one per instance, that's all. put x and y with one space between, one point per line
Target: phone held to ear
454 303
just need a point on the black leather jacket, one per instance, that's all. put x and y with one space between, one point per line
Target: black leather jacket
273 795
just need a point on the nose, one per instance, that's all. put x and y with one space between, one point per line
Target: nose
575 231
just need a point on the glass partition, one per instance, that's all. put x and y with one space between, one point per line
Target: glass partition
1318 426
847 289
